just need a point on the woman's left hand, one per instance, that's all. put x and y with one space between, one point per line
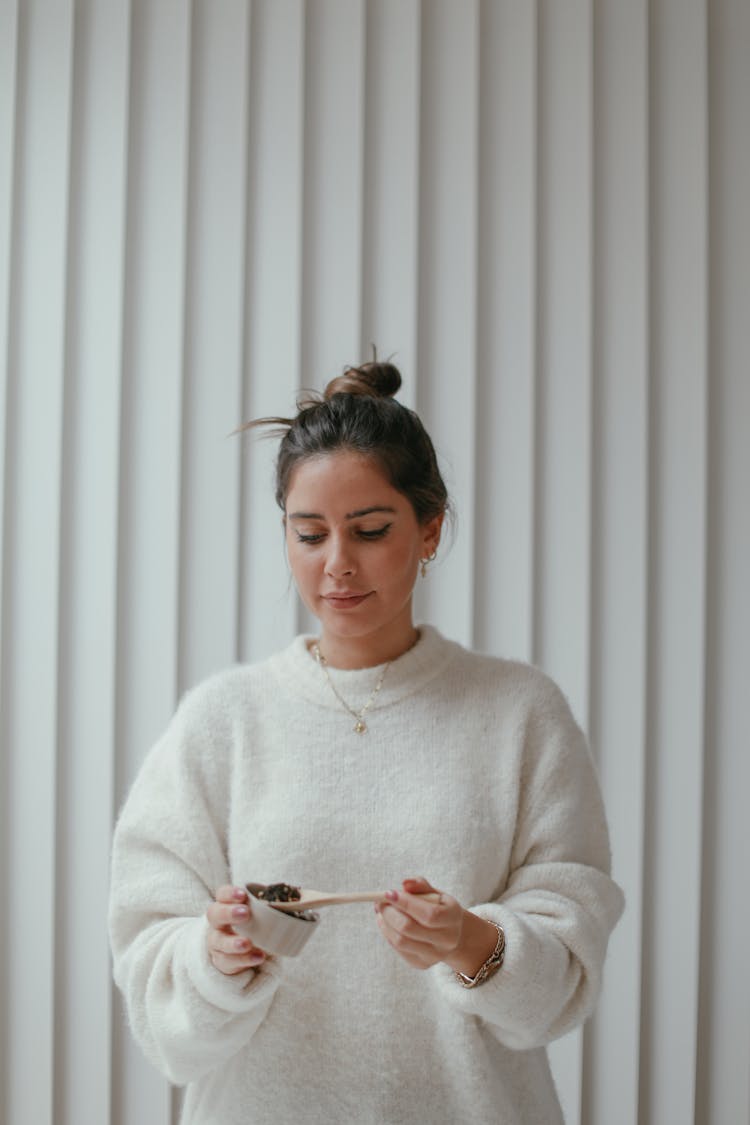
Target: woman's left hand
424 932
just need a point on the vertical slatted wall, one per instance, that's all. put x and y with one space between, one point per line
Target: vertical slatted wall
541 209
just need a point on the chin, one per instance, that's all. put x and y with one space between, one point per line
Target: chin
348 628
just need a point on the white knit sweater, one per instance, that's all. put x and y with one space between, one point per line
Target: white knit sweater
472 773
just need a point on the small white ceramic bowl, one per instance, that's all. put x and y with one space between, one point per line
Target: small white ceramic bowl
275 931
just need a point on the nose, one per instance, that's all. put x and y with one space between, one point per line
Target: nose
340 557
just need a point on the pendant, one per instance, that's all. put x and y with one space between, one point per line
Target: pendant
360 726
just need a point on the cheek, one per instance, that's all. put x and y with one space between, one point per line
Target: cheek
409 556
298 564
402 569
301 564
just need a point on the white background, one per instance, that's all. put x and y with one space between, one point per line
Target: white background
541 209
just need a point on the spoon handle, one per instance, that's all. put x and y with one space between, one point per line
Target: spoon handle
312 900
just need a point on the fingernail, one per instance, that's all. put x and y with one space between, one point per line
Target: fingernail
239 894
256 958
240 912
241 943
392 896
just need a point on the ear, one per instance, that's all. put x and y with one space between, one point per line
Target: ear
431 534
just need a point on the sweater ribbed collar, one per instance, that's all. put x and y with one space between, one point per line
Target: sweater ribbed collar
425 660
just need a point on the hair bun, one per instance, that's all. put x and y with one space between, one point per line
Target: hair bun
381 380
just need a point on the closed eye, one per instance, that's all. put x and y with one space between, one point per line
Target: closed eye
376 533
361 533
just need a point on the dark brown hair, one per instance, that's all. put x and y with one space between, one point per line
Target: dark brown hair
358 413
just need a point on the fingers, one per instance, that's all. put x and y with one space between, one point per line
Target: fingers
431 915
408 942
419 886
229 952
230 906
231 893
422 932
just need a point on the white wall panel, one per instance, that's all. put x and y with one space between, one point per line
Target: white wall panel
620 525
564 388
273 310
564 340
36 371
679 352
151 439
447 356
88 562
390 189
506 330
541 208
332 208
8 114
214 339
724 1026
8 60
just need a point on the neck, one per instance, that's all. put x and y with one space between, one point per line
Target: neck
366 652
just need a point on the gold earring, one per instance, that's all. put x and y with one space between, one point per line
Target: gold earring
424 562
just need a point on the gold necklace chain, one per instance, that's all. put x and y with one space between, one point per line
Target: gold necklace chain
360 726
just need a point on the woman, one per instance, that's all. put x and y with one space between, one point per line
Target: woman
355 758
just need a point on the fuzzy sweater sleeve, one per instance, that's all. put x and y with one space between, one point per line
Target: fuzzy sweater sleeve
169 857
559 904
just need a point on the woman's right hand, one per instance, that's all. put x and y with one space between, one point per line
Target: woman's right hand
227 950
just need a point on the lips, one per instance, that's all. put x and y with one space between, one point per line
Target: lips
344 600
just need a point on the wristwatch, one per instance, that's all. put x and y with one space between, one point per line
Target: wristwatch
491 965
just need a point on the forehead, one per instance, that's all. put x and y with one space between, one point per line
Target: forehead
342 480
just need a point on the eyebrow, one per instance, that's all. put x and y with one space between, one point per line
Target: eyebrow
349 515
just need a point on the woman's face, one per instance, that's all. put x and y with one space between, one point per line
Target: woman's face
354 545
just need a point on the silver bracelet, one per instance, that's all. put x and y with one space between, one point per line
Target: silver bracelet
491 965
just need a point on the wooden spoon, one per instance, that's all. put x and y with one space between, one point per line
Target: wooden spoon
312 900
